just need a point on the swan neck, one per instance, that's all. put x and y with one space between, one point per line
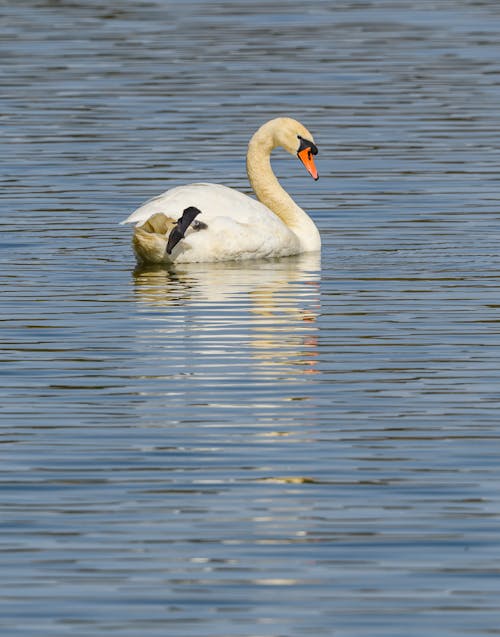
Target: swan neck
262 178
269 191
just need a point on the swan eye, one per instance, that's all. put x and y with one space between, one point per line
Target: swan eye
305 143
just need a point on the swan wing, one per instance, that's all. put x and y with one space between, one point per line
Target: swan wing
214 200
231 226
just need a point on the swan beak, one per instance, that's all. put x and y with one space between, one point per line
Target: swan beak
306 157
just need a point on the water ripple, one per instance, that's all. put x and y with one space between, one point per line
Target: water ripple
290 447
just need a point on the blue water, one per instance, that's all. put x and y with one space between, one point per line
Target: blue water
274 449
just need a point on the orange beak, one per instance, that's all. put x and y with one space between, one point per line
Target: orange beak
306 157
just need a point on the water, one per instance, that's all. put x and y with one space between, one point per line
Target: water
276 449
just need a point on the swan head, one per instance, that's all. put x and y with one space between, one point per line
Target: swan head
297 140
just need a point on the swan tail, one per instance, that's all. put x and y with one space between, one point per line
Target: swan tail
150 239
154 241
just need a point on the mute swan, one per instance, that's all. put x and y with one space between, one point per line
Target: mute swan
209 222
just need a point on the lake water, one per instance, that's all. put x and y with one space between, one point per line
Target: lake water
276 449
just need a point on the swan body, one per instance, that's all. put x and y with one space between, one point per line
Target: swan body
230 225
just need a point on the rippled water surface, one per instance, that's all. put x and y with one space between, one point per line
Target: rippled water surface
287 448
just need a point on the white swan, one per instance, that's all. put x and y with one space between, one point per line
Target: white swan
209 222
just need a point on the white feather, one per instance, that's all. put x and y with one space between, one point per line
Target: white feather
234 225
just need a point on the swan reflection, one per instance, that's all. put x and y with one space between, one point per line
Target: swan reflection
262 313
